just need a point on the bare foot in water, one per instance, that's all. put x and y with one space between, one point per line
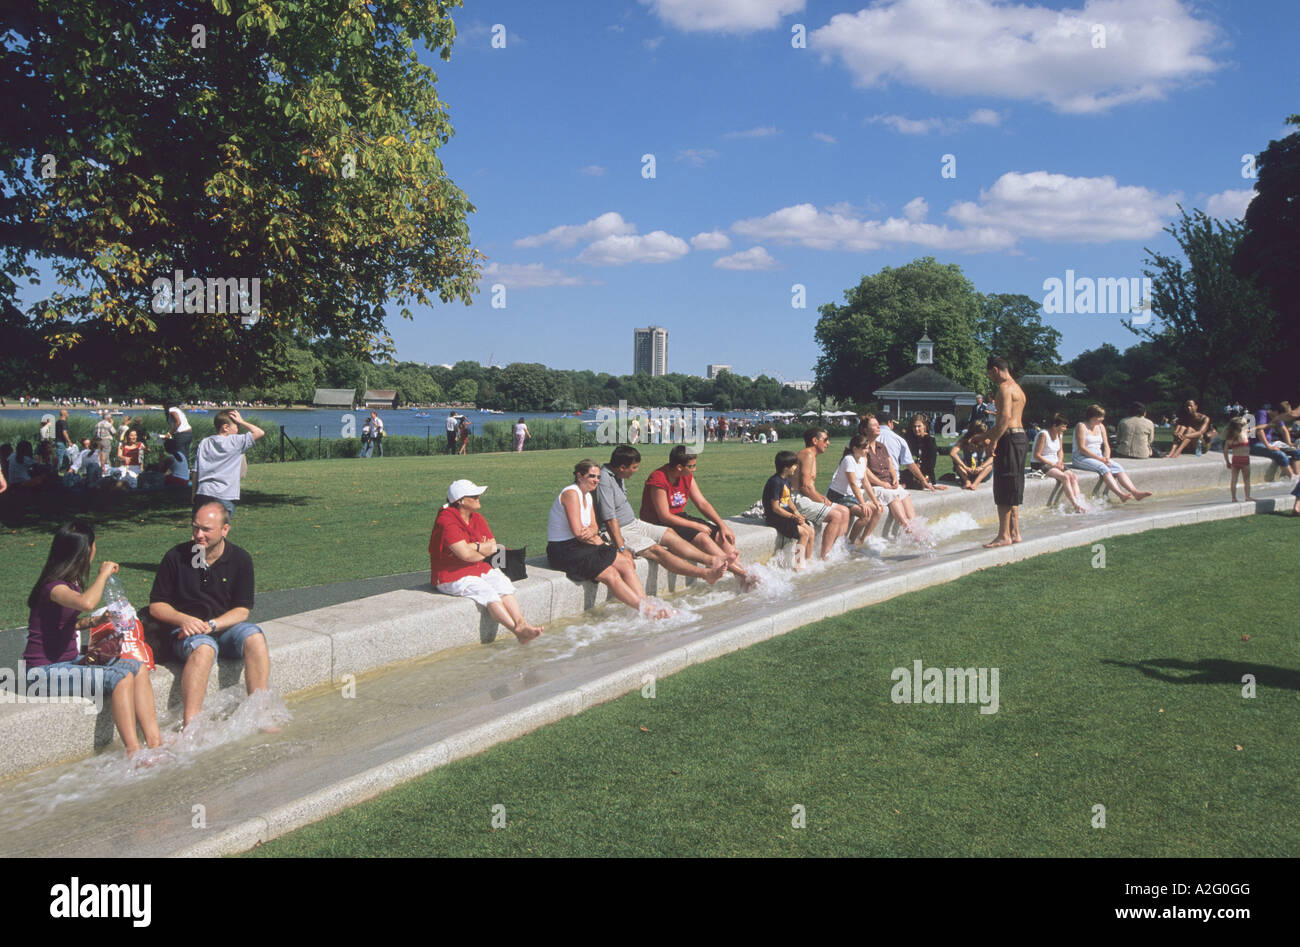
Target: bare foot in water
525 632
748 581
656 610
1141 494
716 571
997 542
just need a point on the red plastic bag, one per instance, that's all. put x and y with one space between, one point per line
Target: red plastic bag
106 643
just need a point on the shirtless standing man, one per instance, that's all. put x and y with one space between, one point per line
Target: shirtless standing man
1008 444
811 505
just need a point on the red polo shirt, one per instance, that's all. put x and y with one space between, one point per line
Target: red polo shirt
449 528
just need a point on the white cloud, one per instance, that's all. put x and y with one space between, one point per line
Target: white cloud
1229 205
830 230
653 247
763 131
1033 205
713 240
1063 209
1025 52
652 44
607 224
755 258
822 136
731 16
594 171
527 276
697 157
923 126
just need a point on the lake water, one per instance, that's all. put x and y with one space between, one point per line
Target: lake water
328 423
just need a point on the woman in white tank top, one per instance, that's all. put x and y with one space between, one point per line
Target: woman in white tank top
1092 452
575 547
1049 460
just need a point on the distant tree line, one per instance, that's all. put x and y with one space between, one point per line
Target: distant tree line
519 386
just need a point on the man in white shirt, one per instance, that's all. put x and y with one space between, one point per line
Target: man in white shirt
221 459
899 452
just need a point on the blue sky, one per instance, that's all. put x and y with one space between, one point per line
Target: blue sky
776 165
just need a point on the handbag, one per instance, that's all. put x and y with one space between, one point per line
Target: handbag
512 562
107 643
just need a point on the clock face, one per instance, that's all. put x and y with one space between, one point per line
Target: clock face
923 354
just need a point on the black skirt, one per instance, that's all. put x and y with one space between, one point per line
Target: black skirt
578 560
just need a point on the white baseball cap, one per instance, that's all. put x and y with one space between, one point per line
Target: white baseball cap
463 488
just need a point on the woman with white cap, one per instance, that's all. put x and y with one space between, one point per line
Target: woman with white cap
460 548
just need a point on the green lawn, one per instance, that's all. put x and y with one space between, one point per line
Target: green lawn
1119 687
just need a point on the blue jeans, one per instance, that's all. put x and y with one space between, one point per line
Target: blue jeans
1282 457
226 644
53 676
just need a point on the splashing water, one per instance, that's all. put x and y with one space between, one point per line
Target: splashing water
226 718
949 526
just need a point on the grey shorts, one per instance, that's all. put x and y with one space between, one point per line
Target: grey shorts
639 535
812 511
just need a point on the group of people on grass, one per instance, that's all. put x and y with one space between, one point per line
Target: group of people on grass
112 457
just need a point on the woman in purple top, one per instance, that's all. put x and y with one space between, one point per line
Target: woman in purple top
53 642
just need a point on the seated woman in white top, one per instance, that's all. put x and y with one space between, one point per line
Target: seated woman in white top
1049 459
574 544
846 488
1092 452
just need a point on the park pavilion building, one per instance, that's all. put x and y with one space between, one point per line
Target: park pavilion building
923 390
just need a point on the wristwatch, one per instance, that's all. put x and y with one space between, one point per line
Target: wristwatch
212 626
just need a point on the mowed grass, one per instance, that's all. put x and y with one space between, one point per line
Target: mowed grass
312 522
1119 687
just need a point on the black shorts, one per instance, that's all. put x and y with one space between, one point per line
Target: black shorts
578 560
784 525
1009 469
689 534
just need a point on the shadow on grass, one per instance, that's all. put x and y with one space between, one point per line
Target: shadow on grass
1212 671
48 510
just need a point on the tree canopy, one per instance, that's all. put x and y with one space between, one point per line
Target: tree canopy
291 142
1270 251
872 338
1011 325
1215 324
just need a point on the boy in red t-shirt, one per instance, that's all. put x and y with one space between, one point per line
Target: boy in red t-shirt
663 502
459 549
